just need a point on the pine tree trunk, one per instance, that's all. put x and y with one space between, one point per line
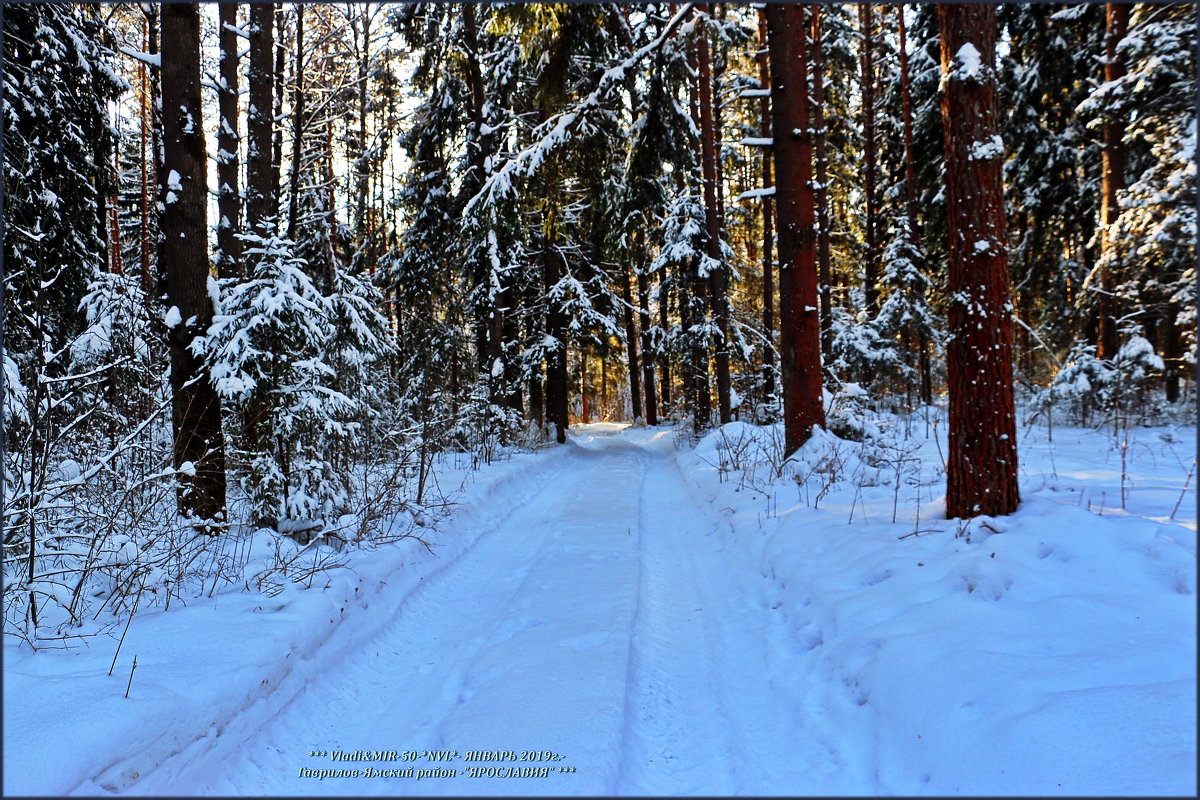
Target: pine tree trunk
297 127
664 385
183 255
981 470
510 333
799 323
260 199
556 362
603 389
824 289
585 400
694 364
768 215
277 111
712 219
910 189
229 201
144 229
1170 349
635 382
866 22
1112 183
644 319
362 168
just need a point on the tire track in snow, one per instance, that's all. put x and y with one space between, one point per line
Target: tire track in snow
467 661
235 764
675 741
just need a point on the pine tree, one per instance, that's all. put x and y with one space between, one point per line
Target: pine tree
229 200
981 470
799 325
183 254
261 178
1155 228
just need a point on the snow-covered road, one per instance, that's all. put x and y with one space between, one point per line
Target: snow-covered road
601 620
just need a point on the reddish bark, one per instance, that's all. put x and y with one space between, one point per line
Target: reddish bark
981 470
643 284
799 323
631 340
768 212
712 219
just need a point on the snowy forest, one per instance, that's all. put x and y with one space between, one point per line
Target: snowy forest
829 321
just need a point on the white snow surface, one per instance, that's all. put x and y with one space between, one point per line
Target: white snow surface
679 621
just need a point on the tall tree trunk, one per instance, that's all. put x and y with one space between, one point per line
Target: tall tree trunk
1112 183
280 87
144 231
694 363
114 220
297 126
866 22
799 323
229 200
910 180
910 192
510 333
260 197
183 254
487 321
631 339
556 360
712 223
768 212
534 333
981 470
651 405
362 168
1170 349
821 159
664 359
603 388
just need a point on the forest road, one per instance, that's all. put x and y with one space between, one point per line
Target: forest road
602 620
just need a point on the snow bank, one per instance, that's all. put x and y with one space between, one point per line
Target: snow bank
1049 652
201 666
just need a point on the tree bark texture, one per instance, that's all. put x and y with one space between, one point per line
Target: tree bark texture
799 322
718 300
651 404
631 340
981 470
297 127
183 256
821 158
768 214
260 197
1112 182
229 200
910 190
866 23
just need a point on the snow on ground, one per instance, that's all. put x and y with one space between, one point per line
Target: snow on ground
1050 652
676 621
